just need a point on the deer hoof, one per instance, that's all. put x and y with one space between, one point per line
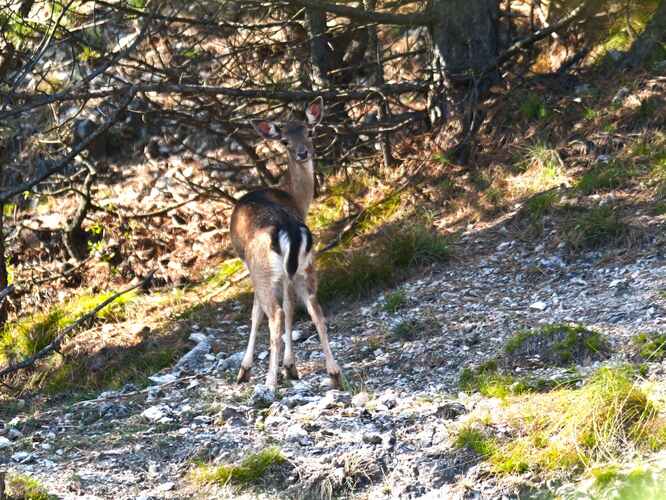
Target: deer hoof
243 375
336 380
290 372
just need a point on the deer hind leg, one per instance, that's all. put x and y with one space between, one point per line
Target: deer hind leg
288 302
307 290
275 324
246 364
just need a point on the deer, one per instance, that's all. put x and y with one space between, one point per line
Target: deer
268 232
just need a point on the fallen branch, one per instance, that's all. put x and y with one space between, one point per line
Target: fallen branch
54 345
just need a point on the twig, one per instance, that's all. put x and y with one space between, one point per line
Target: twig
54 345
6 292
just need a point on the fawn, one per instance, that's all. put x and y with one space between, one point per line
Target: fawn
269 234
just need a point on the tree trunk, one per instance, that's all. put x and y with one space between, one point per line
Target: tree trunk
375 50
465 43
319 49
4 278
650 41
76 239
465 35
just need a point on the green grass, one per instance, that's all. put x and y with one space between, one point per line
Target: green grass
650 346
638 484
27 336
354 273
24 487
250 470
533 108
562 343
538 206
609 418
226 270
394 301
605 177
490 382
594 227
130 364
475 440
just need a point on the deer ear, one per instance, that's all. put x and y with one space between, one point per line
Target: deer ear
267 130
315 111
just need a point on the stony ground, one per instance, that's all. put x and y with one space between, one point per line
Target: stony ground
389 434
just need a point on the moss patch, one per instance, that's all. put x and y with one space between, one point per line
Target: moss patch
594 227
605 177
650 346
250 470
27 336
560 345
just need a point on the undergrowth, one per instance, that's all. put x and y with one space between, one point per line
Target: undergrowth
20 486
27 336
609 418
353 273
250 470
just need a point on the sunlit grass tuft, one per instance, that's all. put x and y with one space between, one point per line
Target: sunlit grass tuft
354 273
608 419
251 469
27 336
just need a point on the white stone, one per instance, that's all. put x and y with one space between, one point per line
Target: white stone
539 306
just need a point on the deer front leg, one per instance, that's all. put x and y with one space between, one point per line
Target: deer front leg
275 324
246 364
289 362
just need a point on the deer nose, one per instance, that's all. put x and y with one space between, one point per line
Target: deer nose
302 153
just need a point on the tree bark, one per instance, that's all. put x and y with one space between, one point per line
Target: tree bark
319 50
375 50
650 40
465 35
76 239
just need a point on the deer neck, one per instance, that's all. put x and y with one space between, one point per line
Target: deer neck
298 181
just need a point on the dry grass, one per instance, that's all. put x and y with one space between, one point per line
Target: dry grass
610 418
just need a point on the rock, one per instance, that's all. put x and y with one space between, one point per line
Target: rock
360 399
194 359
372 438
450 410
334 399
14 434
539 306
388 400
233 416
231 363
296 433
167 378
22 457
4 443
620 95
113 410
157 413
262 397
297 400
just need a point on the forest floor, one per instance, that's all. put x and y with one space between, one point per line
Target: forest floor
392 432
520 355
